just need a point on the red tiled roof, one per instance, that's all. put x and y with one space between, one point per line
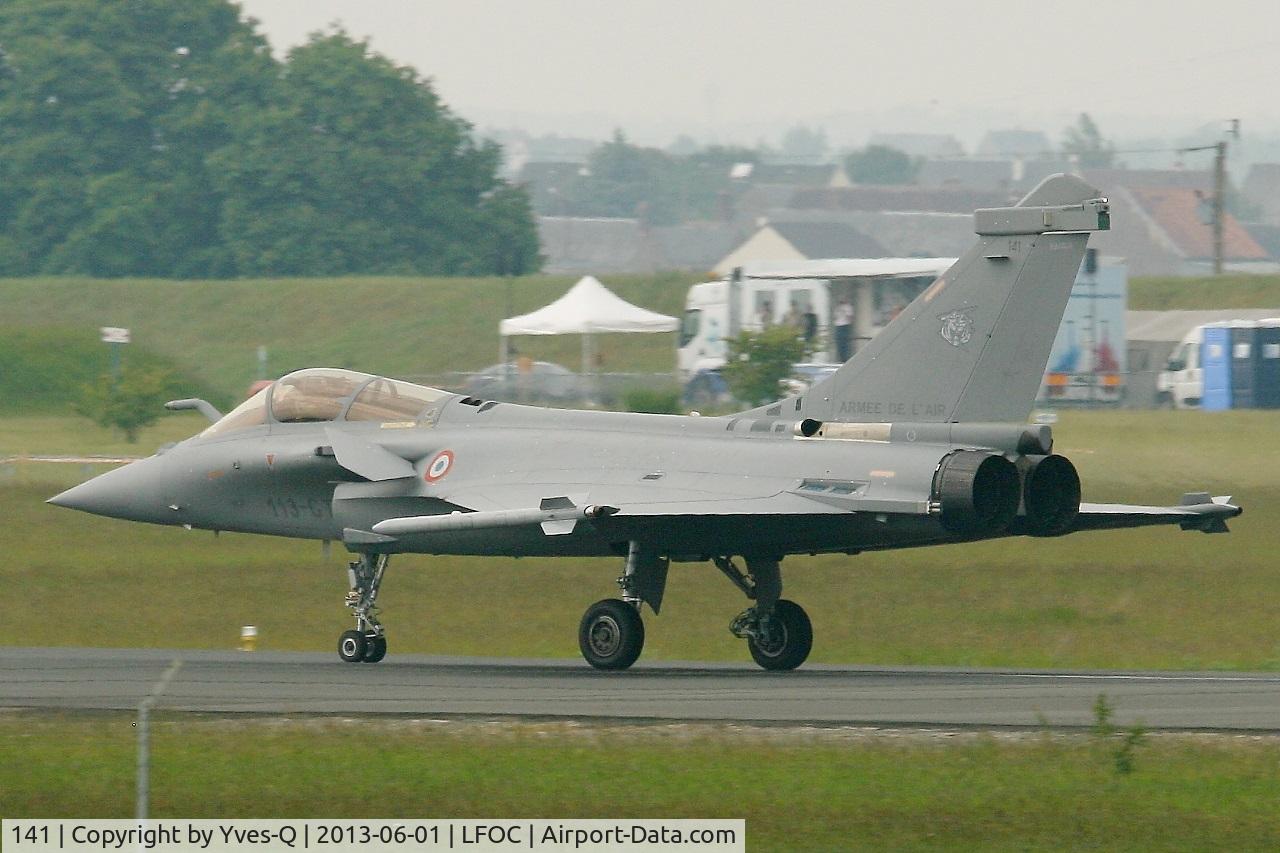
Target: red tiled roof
1179 211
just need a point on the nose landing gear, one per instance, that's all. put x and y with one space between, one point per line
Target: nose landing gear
368 643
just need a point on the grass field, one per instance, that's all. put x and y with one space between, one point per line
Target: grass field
1153 598
400 326
407 327
1227 291
797 790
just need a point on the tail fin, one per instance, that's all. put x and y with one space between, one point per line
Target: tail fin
973 346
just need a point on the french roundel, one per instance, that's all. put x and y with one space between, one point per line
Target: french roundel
439 466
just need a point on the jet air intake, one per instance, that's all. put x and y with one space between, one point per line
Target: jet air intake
977 492
1050 495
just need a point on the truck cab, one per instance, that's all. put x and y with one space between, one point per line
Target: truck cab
1181 384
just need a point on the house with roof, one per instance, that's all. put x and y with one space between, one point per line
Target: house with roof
1261 187
927 145
1161 223
573 245
793 174
799 241
1014 144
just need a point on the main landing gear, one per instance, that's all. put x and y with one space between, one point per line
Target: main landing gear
778 632
368 642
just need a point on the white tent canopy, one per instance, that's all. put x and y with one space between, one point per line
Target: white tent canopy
588 308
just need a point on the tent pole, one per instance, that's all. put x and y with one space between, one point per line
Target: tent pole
504 356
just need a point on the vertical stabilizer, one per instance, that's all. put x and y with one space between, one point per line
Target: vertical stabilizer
972 346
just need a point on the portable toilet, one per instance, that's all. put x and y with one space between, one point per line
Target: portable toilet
1244 364
1266 393
1215 365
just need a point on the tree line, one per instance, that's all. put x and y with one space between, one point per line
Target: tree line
162 138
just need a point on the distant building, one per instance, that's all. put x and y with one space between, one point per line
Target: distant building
928 145
550 183
970 174
1262 187
1267 236
795 175
798 241
1014 144
600 245
899 198
1161 223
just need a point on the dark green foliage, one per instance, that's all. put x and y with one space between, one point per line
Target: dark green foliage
1084 141
881 164
131 401
162 139
1122 752
758 361
652 401
625 180
44 370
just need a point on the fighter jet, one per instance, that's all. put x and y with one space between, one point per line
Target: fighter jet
920 439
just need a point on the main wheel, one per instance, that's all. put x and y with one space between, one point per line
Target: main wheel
787 640
611 634
375 648
352 646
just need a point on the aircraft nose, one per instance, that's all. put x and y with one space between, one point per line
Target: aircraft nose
129 492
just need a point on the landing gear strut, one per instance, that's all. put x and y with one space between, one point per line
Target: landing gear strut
778 632
611 633
368 643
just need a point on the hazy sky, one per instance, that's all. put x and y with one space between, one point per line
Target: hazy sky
743 70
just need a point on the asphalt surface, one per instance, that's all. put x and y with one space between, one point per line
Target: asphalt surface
313 683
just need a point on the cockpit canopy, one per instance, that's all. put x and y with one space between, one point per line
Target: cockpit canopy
322 394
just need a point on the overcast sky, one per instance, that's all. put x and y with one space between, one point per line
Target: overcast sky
745 70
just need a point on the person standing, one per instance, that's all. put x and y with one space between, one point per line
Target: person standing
844 330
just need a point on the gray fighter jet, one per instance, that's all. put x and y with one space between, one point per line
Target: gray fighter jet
920 439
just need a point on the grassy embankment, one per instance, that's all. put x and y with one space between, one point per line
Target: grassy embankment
1228 291
1157 598
399 326
210 330
796 790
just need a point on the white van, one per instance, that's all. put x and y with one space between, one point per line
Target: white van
1181 384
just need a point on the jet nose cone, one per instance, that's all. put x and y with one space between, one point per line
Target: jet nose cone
87 497
127 492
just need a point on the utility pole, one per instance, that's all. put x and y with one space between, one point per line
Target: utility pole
1219 197
1219 200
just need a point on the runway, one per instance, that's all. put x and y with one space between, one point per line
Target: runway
314 683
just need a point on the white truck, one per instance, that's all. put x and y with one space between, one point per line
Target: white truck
763 294
1089 359
1087 363
1181 384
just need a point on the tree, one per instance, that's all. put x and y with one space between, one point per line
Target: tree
881 164
161 138
801 144
134 401
1085 143
357 166
108 110
758 361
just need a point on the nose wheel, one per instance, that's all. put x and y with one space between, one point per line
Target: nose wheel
368 642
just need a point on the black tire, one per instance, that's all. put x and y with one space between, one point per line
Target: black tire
792 640
375 648
611 634
352 646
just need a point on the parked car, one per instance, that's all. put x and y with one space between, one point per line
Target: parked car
537 380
